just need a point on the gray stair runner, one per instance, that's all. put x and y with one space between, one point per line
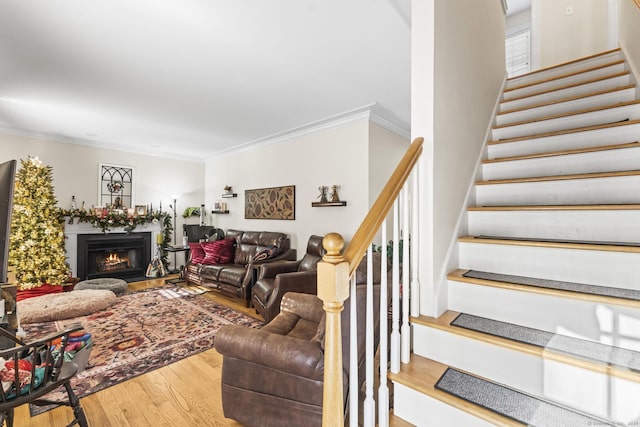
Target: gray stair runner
513 404
560 343
629 294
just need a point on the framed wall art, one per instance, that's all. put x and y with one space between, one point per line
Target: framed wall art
270 203
115 186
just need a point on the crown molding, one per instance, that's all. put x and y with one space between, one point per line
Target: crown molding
365 112
98 144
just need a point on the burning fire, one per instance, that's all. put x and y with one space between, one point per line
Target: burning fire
113 262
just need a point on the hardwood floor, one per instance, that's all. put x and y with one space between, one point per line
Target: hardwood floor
185 393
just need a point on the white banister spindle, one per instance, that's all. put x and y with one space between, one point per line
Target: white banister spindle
383 390
395 295
353 356
413 245
369 401
405 331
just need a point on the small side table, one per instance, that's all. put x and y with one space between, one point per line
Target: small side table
175 250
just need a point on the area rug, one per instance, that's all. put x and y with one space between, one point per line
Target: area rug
143 331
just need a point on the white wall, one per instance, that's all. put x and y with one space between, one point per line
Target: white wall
518 21
339 155
465 54
75 172
566 37
629 33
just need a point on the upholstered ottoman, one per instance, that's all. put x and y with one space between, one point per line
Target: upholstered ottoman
64 305
117 286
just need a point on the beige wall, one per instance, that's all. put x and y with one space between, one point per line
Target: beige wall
75 172
465 54
385 151
339 155
566 37
629 33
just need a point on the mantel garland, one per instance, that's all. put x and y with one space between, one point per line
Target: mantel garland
128 223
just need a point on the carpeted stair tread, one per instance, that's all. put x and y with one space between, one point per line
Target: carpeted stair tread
582 288
511 403
611 355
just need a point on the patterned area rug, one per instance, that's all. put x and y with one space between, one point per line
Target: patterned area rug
143 331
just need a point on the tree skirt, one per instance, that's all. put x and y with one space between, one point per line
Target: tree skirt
64 305
143 331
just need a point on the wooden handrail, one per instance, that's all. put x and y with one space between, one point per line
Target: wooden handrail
333 281
365 234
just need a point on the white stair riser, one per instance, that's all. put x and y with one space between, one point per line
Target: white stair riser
424 411
568 68
566 93
600 117
588 320
598 161
608 98
570 141
578 388
560 82
565 192
591 225
614 269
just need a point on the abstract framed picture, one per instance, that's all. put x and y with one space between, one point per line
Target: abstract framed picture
270 203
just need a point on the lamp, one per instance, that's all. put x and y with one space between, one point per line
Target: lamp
173 208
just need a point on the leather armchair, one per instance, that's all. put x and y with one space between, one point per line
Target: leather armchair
274 376
277 278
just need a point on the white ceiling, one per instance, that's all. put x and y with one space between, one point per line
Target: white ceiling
193 78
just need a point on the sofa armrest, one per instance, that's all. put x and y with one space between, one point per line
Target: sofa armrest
296 356
269 270
305 306
304 282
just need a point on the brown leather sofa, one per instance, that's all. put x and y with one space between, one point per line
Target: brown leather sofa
277 278
237 278
274 376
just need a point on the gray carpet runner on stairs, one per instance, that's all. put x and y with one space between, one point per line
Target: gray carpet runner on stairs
630 294
560 343
513 404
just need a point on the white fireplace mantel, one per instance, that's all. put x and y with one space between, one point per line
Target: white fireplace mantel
71 232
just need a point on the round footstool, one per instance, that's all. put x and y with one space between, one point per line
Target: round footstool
117 286
64 305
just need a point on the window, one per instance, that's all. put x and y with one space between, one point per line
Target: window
518 53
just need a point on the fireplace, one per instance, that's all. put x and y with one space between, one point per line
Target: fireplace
119 255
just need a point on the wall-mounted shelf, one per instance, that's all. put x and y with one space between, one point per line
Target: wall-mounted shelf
228 195
220 212
324 204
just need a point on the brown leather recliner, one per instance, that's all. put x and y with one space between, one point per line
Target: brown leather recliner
277 278
274 376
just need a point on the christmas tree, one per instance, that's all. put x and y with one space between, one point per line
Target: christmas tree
36 248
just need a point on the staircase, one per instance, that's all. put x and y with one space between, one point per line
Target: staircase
543 326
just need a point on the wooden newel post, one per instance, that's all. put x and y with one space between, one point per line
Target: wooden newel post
333 290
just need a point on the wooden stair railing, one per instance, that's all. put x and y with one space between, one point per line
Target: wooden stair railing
334 272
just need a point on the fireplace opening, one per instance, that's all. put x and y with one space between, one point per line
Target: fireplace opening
123 256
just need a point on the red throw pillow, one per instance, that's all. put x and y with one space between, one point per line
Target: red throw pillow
197 253
218 252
